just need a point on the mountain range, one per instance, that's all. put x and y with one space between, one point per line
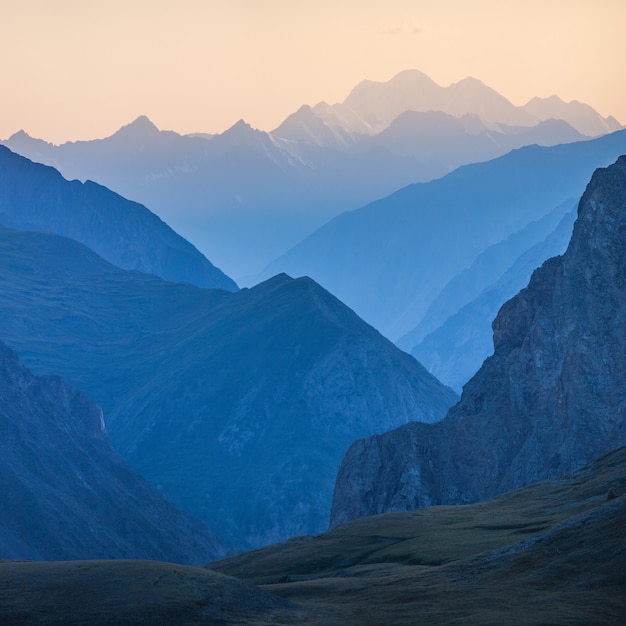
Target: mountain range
455 350
37 197
549 399
66 494
390 260
378 104
245 196
238 406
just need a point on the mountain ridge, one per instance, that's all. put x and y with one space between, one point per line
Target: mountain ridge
36 196
368 257
378 103
238 405
548 400
455 350
245 197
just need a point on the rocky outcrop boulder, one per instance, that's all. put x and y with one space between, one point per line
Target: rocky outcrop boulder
551 398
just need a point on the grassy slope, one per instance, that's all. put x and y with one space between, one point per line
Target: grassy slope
131 592
552 553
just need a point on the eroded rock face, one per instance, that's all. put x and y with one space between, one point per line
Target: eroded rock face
66 494
551 398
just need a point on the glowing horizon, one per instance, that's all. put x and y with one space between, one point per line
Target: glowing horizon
81 69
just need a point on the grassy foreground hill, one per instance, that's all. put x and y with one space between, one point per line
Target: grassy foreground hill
551 553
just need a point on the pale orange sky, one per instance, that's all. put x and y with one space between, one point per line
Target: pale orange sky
80 69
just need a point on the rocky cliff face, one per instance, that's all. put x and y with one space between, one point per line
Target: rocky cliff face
66 494
551 397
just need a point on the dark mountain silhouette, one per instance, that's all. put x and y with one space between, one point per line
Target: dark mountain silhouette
66 494
549 399
238 406
37 197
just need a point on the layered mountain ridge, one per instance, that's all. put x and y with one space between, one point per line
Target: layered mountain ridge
238 406
390 259
245 196
37 197
548 400
455 350
379 103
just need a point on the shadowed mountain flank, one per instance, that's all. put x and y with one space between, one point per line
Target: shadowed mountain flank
239 406
66 494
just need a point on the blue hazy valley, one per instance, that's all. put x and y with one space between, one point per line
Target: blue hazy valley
358 343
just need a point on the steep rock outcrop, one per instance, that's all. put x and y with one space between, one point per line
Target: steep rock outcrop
551 397
66 494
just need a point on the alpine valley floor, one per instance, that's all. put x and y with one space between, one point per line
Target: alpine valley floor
551 553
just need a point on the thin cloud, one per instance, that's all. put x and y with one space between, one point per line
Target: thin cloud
405 29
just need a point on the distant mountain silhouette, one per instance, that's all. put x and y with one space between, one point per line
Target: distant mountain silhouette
379 103
390 259
486 269
438 142
578 115
455 350
66 494
308 127
37 197
245 196
238 406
